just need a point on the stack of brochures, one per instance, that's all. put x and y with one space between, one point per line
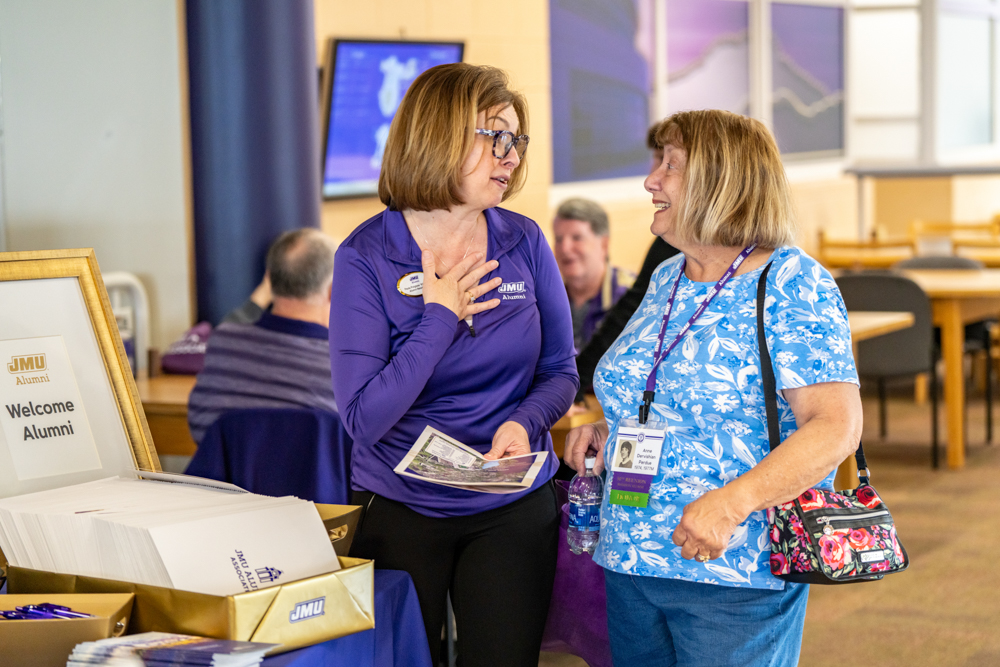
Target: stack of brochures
174 535
161 649
440 459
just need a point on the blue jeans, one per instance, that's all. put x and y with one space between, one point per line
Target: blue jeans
665 622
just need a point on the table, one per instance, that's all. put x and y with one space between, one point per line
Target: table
164 400
958 297
868 324
865 325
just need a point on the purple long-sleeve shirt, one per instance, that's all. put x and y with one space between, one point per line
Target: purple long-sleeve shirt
399 366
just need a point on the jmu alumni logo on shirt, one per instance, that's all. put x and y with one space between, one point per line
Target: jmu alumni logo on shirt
512 291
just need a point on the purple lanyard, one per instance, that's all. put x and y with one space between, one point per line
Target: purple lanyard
660 355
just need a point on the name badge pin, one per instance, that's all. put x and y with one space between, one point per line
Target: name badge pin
411 284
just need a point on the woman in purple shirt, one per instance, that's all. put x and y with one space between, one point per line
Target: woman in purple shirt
449 312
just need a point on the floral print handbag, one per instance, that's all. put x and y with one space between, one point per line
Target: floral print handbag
826 537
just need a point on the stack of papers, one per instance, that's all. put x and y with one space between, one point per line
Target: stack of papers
174 535
161 649
440 459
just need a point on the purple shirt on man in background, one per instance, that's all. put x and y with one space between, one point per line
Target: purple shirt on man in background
399 366
590 314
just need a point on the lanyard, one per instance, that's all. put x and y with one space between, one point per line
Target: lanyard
661 354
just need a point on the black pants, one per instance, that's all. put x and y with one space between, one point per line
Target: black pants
499 566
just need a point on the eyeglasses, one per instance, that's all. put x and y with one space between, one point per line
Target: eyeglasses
504 140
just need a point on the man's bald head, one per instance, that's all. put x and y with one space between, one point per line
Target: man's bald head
300 263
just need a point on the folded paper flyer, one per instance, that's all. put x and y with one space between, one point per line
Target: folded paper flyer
440 459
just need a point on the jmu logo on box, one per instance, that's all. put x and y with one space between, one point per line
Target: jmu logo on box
309 609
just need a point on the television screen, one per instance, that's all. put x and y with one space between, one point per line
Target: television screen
367 83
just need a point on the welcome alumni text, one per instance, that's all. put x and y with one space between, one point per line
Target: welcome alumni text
31 409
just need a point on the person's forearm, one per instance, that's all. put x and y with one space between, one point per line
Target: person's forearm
799 463
548 399
373 395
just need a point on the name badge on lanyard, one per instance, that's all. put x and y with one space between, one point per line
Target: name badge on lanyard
635 460
637 448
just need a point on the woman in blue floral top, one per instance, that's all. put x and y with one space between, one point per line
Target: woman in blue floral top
686 561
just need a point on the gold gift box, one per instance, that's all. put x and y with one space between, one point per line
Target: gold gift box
294 614
263 615
325 607
41 643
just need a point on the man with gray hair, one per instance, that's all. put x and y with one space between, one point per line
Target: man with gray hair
283 359
581 249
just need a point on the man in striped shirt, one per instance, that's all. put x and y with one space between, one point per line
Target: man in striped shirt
282 360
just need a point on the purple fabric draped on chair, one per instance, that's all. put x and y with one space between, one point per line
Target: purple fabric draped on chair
578 616
279 452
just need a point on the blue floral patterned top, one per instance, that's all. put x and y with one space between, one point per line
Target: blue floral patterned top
710 394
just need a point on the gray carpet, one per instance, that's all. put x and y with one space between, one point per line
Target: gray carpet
944 610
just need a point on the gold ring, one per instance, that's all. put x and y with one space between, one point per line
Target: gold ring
469 294
701 558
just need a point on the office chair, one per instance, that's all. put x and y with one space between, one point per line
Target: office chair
901 353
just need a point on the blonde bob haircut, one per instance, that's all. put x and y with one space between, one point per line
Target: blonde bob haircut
735 190
433 131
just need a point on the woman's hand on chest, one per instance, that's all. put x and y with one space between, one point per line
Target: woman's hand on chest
458 289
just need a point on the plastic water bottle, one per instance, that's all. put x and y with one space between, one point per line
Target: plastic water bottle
585 493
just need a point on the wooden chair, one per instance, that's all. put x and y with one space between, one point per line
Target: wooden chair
984 249
945 238
873 253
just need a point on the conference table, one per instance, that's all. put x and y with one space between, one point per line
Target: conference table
165 398
958 297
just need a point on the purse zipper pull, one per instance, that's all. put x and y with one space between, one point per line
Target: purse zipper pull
827 529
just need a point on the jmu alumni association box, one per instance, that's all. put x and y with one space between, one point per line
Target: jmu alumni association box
70 413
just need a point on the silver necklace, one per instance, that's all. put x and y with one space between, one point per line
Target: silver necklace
467 249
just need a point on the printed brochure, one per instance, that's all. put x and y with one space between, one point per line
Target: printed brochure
440 459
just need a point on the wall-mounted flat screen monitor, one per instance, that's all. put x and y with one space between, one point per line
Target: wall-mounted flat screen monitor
365 84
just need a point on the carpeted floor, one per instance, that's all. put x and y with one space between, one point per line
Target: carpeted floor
944 610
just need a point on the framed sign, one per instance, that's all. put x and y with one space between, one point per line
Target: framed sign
69 409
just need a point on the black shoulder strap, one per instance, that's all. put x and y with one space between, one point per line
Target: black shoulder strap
770 387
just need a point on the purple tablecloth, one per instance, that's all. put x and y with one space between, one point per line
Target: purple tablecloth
398 639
